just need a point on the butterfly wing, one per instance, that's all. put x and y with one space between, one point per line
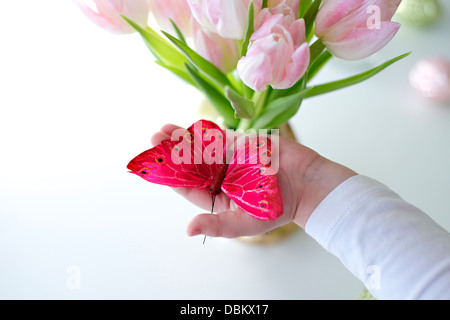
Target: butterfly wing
156 165
180 163
251 181
208 146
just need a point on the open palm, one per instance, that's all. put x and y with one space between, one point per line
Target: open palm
231 221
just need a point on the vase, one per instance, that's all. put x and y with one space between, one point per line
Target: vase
366 295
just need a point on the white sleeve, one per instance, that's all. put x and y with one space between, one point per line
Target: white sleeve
393 247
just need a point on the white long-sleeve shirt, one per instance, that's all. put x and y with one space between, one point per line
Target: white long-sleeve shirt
390 245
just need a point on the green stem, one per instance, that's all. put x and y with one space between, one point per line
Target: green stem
259 99
235 83
248 92
318 64
303 8
310 17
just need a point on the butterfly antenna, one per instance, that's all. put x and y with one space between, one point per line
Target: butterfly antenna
212 211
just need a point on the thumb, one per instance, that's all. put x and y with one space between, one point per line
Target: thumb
228 224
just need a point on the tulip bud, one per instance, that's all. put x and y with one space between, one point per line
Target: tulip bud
278 54
106 13
356 29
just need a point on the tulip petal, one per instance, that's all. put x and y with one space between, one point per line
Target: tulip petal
255 71
107 14
297 30
104 21
296 68
266 27
388 8
136 10
332 12
175 10
358 18
363 42
228 18
222 52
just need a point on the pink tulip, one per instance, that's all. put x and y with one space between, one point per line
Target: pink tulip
278 54
356 29
222 52
228 18
107 13
293 4
176 10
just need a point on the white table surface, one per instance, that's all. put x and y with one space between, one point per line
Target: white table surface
78 103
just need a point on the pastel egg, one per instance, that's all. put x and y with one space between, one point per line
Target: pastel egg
431 78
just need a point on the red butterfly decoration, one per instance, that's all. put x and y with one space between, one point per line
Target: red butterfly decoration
201 158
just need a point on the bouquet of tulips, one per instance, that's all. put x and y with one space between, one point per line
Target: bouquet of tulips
253 60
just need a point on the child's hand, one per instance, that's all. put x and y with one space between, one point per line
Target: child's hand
305 179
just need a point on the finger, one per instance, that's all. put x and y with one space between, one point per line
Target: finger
228 224
203 199
169 128
158 137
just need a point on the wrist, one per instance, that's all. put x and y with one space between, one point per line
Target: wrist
320 178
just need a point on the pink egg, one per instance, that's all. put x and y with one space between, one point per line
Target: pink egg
431 78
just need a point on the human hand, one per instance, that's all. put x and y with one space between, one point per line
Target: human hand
305 178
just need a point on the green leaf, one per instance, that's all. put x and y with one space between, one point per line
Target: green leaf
204 65
217 99
243 108
303 7
249 29
282 109
161 48
279 93
178 31
248 92
310 17
340 84
316 50
318 64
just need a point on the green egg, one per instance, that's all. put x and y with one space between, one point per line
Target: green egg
419 12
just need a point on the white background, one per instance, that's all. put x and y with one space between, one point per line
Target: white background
77 103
